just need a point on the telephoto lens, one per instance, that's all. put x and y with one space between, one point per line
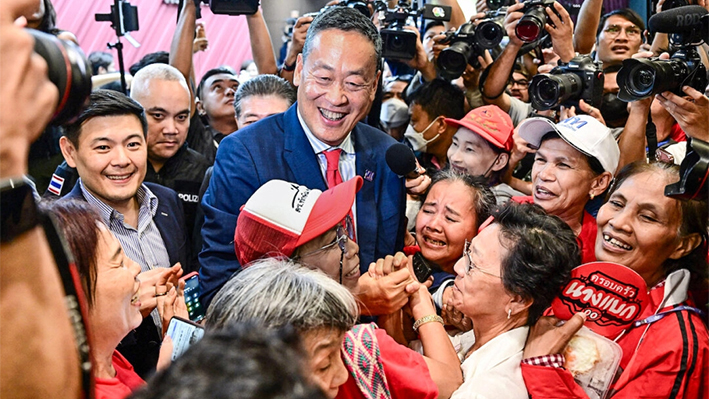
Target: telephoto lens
453 60
549 91
642 78
68 70
531 25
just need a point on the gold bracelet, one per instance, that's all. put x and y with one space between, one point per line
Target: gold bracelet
427 319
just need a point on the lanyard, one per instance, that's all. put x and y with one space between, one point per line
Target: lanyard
658 316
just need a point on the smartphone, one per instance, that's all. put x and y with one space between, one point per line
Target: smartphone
184 333
421 268
192 292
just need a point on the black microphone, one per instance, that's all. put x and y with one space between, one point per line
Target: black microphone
402 161
683 19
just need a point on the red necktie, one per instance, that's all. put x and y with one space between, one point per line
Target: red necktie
332 174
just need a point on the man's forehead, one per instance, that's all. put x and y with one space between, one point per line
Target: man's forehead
221 77
618 20
117 127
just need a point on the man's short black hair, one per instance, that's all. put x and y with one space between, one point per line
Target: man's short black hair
344 19
429 25
158 57
100 59
626 13
264 85
106 103
439 98
214 71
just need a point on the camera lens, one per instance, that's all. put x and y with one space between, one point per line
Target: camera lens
670 4
530 25
494 4
642 81
641 78
396 42
453 60
548 91
68 70
489 34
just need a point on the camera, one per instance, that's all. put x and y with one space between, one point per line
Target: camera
642 78
580 79
491 30
466 44
232 7
530 27
497 4
397 42
694 173
69 71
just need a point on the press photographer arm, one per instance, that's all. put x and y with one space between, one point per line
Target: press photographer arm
692 114
586 26
182 41
261 47
36 333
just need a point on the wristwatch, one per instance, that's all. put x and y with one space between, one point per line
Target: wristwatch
18 210
288 68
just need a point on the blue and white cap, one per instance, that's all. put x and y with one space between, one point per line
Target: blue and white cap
584 133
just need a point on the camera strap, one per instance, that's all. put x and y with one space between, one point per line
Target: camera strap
651 136
74 299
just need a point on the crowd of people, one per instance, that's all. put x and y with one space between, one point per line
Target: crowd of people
322 272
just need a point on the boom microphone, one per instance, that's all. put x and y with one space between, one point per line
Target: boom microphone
684 19
402 161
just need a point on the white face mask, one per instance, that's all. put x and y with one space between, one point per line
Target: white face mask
394 111
416 138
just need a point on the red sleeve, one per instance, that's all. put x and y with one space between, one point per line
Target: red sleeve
406 370
550 382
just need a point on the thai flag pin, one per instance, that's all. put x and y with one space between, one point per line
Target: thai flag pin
368 175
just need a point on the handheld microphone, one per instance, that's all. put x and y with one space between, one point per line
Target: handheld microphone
684 19
402 161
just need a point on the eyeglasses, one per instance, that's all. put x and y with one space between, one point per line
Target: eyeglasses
614 30
522 83
469 265
345 231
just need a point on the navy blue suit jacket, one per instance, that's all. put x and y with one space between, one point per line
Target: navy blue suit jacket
277 148
169 219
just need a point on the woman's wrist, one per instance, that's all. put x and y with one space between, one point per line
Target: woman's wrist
430 318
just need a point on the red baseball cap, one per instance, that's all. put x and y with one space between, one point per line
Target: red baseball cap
281 216
490 123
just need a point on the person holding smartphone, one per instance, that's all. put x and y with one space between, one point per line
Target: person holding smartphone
111 286
313 228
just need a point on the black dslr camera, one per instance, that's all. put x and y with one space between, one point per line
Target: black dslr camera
231 7
531 26
644 77
491 30
466 44
397 42
580 79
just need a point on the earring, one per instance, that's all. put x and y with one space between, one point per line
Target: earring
592 196
509 313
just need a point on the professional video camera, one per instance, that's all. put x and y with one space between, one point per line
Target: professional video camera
580 79
68 70
643 77
399 43
466 44
531 26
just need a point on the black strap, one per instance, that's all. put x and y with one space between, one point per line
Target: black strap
74 299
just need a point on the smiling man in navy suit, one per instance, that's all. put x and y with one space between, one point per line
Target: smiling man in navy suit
107 146
337 76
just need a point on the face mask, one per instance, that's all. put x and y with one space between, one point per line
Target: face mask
394 113
416 138
613 109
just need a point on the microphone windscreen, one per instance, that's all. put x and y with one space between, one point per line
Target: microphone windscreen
678 20
401 159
